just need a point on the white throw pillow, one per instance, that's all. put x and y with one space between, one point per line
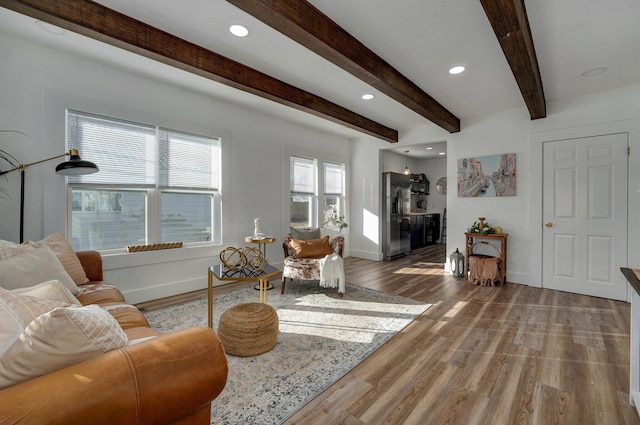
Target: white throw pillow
50 290
65 253
10 327
33 267
62 337
9 249
27 307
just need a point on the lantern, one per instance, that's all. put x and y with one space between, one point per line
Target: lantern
456 263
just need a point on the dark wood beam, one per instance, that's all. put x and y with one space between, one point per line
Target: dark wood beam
511 25
302 22
96 21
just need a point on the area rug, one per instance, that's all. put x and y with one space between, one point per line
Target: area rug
322 337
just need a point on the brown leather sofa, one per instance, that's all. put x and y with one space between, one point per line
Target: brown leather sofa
167 379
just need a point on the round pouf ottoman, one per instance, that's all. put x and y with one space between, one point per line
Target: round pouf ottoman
248 329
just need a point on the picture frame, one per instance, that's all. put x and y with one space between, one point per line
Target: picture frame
487 176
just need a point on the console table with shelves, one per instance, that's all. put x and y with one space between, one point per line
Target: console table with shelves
502 239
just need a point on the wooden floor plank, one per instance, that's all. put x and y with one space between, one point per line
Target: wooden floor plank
486 355
503 355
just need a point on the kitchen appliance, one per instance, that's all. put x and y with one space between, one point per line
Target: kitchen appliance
396 229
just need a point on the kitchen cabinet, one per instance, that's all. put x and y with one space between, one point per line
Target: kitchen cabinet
431 228
425 229
417 231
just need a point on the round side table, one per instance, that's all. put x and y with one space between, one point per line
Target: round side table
262 246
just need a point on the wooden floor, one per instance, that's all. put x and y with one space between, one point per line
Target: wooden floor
484 355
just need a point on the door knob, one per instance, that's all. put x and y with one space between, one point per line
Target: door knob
548 224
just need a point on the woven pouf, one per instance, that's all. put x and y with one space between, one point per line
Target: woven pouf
248 329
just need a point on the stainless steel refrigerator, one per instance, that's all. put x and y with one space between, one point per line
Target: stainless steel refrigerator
396 228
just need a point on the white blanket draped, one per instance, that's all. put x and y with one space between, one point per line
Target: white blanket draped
332 272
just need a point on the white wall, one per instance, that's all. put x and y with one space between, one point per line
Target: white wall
434 169
513 132
37 84
366 177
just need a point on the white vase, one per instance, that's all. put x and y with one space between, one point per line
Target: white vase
257 229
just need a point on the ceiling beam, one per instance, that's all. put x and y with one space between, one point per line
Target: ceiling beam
511 26
302 22
106 25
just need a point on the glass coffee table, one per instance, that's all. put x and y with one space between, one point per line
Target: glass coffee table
223 273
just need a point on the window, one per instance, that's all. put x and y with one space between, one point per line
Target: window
303 191
333 188
305 187
155 185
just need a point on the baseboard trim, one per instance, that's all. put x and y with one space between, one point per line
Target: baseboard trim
366 255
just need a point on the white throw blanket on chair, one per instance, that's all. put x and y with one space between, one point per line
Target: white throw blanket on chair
332 272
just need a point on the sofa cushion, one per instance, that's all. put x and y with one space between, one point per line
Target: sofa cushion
311 248
33 267
140 333
60 247
9 249
50 290
99 293
305 234
10 327
26 307
127 315
301 268
59 338
63 250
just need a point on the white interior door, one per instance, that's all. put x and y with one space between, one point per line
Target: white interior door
585 215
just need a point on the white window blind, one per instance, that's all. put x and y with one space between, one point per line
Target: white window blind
333 179
188 162
125 151
154 185
303 175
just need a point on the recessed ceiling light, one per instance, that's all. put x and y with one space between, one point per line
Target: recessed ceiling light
367 96
457 69
239 30
594 71
52 29
442 153
429 148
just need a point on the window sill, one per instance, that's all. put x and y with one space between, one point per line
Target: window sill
123 259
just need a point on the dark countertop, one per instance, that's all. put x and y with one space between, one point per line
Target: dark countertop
631 278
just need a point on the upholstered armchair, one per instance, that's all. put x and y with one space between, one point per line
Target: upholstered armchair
306 265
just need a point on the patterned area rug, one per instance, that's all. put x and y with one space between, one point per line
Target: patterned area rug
322 337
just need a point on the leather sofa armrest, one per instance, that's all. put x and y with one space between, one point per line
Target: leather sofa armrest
92 264
157 381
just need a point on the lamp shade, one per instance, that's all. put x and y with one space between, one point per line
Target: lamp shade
76 166
407 171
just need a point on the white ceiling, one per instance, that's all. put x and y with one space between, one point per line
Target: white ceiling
420 38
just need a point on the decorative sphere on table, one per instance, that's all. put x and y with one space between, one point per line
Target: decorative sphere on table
233 258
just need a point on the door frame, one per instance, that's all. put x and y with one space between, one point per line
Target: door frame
536 140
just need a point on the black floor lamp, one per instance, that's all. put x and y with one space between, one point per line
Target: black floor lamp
73 167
